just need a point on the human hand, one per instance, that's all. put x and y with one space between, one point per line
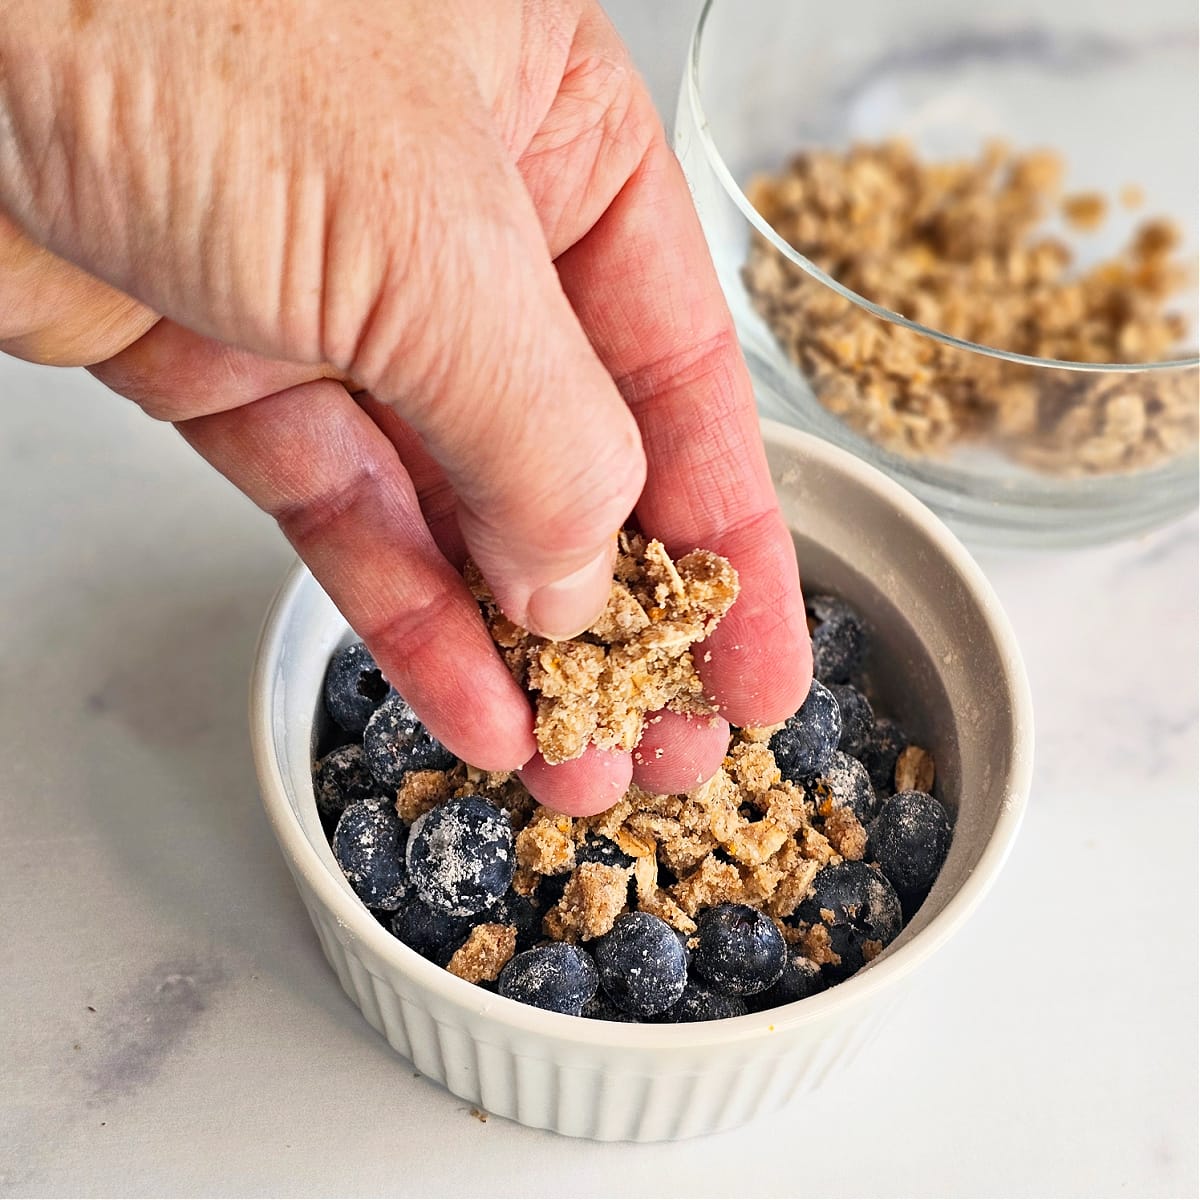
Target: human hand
468 208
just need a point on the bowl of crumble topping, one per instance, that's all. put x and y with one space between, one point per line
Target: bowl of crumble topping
960 241
676 965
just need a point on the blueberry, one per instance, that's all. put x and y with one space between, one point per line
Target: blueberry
887 740
839 638
845 784
909 840
738 950
642 964
460 856
801 978
550 890
520 912
354 687
860 911
803 747
601 1008
558 976
342 776
432 934
699 1003
368 844
395 742
597 849
858 720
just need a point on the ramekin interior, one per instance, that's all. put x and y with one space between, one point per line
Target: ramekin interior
950 654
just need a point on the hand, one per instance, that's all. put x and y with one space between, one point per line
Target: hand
469 208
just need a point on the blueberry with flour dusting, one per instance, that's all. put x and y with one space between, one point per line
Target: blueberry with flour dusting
558 977
395 742
852 913
642 964
879 757
801 978
700 1003
910 840
342 776
839 638
354 687
738 950
368 844
460 856
805 744
844 784
432 934
858 718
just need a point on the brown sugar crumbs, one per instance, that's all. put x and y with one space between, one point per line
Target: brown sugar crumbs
636 659
958 247
484 954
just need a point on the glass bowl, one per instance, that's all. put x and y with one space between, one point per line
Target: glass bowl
1041 450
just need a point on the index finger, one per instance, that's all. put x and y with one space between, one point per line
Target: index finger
643 286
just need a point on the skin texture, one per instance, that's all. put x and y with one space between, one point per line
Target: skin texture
422 280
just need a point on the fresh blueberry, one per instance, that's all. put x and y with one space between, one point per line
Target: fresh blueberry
801 978
354 687
432 934
557 976
887 740
845 784
597 849
520 912
860 911
858 721
700 1003
395 742
642 964
460 856
342 776
738 950
909 840
839 638
804 745
368 844
601 1008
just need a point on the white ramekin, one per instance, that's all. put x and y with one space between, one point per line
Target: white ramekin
949 654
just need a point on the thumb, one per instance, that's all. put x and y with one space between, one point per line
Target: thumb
507 394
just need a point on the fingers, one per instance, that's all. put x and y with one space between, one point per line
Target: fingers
54 313
175 374
585 785
312 459
677 752
438 503
499 381
643 285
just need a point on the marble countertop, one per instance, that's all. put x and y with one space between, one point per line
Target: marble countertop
170 1027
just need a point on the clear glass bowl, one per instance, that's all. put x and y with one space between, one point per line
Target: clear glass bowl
1109 86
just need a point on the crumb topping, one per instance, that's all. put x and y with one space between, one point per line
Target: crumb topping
598 688
484 954
958 246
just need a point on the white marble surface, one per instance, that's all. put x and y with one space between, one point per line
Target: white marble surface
169 1026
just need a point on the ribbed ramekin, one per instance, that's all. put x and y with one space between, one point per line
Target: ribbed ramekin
944 651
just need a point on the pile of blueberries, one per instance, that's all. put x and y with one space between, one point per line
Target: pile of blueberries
432 882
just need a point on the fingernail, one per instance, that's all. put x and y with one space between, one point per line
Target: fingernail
565 608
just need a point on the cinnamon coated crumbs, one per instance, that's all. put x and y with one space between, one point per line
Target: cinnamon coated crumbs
636 659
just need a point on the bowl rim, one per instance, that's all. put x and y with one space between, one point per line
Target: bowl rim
716 160
353 917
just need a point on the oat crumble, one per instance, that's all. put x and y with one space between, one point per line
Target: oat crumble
956 246
598 688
